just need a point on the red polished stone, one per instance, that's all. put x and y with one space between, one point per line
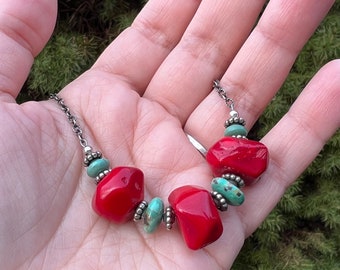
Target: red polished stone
245 158
119 193
197 216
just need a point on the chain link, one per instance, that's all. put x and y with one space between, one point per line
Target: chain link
72 119
223 94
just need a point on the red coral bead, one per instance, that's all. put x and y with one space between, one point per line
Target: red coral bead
197 216
119 193
245 158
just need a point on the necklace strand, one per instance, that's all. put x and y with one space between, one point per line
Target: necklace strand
235 161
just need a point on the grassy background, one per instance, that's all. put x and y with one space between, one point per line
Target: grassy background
303 231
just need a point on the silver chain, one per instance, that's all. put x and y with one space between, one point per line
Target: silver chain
223 94
72 119
79 132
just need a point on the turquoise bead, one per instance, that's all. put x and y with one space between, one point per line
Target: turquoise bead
235 129
97 166
153 215
232 194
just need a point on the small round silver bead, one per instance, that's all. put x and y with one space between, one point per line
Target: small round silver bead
140 210
240 183
233 113
87 149
223 201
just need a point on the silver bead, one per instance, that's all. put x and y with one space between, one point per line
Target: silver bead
169 217
233 113
240 183
101 176
140 210
239 137
87 149
90 156
220 201
234 120
234 179
223 201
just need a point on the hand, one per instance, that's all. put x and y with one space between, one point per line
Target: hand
151 83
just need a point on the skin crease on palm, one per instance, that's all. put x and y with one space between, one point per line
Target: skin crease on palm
152 84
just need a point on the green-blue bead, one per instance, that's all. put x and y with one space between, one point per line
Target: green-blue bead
97 166
153 215
232 194
235 129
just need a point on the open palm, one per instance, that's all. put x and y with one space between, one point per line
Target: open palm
135 104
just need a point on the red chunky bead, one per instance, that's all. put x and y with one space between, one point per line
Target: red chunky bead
119 193
245 158
197 216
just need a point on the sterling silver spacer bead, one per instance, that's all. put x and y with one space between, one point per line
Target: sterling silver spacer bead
140 210
219 201
101 176
169 217
90 156
240 137
234 179
234 120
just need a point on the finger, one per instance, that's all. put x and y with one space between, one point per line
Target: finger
295 142
25 27
206 49
261 65
137 53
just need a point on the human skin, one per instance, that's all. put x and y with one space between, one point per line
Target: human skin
148 88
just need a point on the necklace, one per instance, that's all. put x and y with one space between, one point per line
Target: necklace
235 162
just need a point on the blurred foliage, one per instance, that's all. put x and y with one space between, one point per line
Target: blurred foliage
83 30
303 231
